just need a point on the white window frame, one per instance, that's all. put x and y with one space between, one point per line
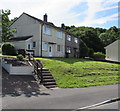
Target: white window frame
76 40
34 44
68 37
61 48
69 50
47 30
59 34
44 46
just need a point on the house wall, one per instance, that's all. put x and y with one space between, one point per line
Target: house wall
19 44
113 51
56 41
27 26
72 45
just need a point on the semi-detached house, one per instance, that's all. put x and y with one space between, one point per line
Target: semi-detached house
42 38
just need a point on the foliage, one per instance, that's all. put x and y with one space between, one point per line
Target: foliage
99 55
90 52
6 32
72 73
95 38
83 49
22 52
8 49
20 57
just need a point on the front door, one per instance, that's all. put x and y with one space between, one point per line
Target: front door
50 50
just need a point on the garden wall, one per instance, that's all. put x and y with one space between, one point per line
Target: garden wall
18 70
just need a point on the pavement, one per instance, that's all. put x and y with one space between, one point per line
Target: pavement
23 93
113 105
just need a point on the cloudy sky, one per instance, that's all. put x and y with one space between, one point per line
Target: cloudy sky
102 13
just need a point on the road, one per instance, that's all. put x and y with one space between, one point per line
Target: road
61 98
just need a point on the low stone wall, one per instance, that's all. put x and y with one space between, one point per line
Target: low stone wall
17 70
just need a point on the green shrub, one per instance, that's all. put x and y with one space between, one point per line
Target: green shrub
22 52
90 52
8 49
20 57
83 49
99 55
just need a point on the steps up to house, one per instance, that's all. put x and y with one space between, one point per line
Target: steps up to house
48 80
43 75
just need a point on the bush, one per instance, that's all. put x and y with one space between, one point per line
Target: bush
83 49
20 57
8 49
90 52
22 52
99 55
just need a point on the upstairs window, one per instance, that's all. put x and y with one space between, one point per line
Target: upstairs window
34 44
59 35
76 40
47 30
68 37
68 50
44 46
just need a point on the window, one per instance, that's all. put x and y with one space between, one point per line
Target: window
59 35
47 30
44 46
59 48
68 37
68 50
34 44
29 47
76 40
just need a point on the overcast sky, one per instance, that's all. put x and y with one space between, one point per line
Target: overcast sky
103 13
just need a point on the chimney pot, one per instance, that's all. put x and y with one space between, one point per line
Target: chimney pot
45 17
62 25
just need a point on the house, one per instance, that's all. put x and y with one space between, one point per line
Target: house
71 46
113 51
41 38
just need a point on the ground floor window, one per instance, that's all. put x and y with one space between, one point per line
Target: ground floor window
59 48
29 46
44 46
34 44
68 50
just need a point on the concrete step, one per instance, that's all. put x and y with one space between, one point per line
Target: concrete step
47 77
49 83
51 86
46 74
48 80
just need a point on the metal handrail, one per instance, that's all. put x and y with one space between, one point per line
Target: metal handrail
37 67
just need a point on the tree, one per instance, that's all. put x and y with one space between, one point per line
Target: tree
6 32
83 49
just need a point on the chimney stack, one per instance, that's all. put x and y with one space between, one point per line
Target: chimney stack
45 17
62 25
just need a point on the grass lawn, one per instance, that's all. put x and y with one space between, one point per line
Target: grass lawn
74 73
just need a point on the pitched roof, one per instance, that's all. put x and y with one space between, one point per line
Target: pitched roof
47 23
113 43
18 38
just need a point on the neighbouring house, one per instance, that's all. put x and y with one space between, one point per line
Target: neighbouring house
72 46
113 51
42 38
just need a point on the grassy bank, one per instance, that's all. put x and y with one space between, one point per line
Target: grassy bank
70 73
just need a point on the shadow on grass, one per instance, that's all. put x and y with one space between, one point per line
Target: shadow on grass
18 85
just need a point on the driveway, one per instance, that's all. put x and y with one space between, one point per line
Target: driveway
22 92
